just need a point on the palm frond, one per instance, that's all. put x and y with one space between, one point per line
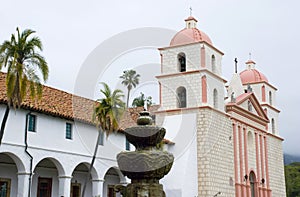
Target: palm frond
24 66
108 109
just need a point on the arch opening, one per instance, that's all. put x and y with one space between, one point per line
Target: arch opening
112 177
253 184
215 97
270 98
181 62
181 97
45 180
10 166
273 125
213 64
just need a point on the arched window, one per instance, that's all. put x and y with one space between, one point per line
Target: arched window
181 97
181 62
273 125
250 140
252 180
215 98
213 64
270 98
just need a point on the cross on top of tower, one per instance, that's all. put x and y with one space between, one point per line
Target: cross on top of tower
191 10
235 66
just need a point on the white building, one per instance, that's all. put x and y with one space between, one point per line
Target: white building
51 142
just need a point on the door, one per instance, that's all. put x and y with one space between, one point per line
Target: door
4 187
44 187
75 189
111 191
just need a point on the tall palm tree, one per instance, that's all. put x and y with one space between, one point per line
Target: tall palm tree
20 55
107 114
130 79
109 109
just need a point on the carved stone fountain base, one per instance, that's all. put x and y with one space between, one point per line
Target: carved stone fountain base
146 165
145 190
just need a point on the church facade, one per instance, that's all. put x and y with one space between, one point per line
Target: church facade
233 140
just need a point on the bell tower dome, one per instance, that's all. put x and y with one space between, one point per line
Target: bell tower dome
190 34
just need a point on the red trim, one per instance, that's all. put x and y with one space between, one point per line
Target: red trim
191 72
178 74
202 57
241 160
247 123
204 89
237 187
246 159
241 111
257 156
192 108
270 106
265 82
263 93
254 101
200 42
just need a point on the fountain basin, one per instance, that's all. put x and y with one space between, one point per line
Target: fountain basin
145 136
145 164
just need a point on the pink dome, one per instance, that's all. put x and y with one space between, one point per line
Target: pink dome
189 35
252 76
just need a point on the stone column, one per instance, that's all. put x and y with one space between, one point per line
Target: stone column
64 187
97 187
23 184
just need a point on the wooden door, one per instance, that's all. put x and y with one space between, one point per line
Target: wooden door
44 187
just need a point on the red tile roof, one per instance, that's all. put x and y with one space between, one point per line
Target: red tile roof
55 102
69 106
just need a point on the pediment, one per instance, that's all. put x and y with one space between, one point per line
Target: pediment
250 103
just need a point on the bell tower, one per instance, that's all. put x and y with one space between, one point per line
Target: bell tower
192 94
191 71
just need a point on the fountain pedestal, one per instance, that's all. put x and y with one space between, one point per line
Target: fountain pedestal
146 165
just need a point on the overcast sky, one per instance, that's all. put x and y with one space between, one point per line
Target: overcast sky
71 30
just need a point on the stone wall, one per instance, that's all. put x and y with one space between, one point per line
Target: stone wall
215 153
276 170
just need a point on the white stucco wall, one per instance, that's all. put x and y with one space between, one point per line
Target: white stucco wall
49 142
182 130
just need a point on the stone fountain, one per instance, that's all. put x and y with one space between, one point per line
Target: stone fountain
147 164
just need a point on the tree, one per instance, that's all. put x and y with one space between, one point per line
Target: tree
292 179
130 80
20 55
141 100
107 114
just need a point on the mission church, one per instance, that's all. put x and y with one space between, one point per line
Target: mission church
224 135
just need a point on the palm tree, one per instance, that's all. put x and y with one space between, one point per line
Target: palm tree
107 114
141 100
130 79
109 109
20 55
